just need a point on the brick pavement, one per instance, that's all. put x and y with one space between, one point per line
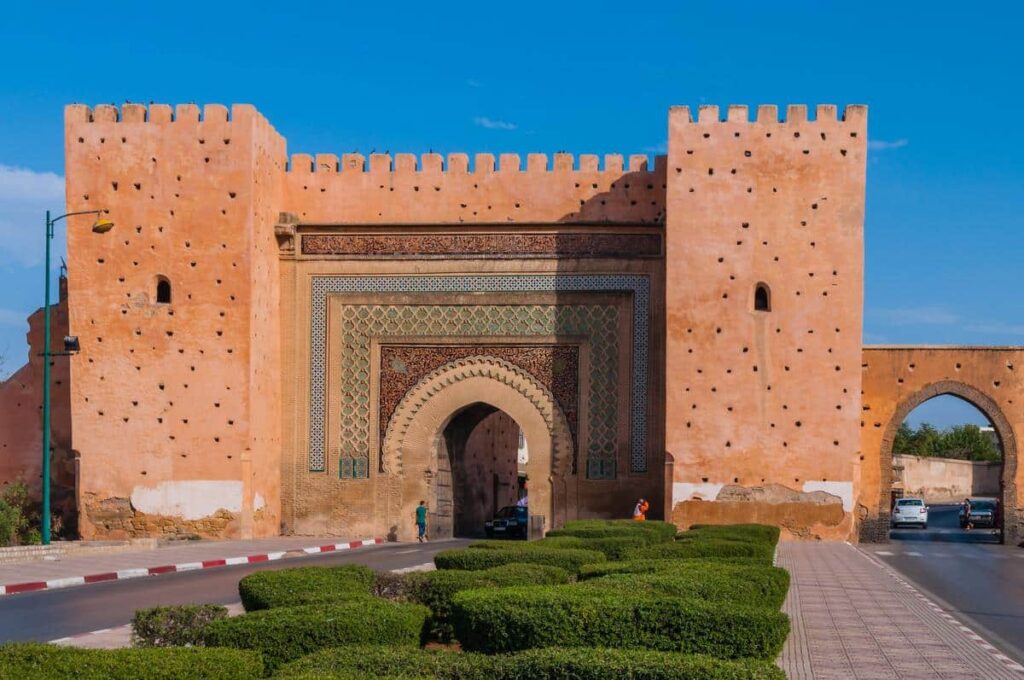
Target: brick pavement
854 619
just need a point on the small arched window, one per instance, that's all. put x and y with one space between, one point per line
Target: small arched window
762 298
163 291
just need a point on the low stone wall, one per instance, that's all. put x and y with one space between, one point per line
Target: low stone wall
942 480
32 553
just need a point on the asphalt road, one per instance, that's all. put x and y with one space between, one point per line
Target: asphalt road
50 614
967 572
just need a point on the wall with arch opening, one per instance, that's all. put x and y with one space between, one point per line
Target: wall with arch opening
898 379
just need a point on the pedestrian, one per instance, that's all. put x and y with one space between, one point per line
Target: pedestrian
968 524
421 522
640 510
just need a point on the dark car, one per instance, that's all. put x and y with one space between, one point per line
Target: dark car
511 521
983 514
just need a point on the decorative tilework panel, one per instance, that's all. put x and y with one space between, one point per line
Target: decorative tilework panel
322 286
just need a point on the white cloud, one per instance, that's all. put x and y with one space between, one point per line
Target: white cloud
25 195
491 124
883 145
474 83
658 148
996 328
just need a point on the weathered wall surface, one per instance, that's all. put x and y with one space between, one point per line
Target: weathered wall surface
897 379
21 417
945 480
179 400
762 405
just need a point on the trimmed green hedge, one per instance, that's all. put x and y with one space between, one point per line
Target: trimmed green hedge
175 626
304 585
653 531
512 619
755 586
692 547
33 661
286 633
613 547
351 663
435 589
656 566
741 532
476 559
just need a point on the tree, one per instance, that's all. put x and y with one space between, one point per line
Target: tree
962 442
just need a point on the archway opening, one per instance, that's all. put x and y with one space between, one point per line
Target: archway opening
947 485
481 469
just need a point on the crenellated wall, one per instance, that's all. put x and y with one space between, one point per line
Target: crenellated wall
428 191
762 406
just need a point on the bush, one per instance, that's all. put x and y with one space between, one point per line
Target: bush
33 661
304 585
653 531
286 633
18 519
512 619
761 533
535 664
755 586
178 626
396 587
437 588
655 566
692 547
613 547
475 560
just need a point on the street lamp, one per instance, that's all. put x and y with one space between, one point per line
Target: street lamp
100 226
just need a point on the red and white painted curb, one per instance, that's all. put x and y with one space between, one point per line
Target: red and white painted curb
120 575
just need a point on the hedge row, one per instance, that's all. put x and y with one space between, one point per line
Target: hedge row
699 547
475 559
435 589
286 633
613 547
654 566
749 532
175 626
536 664
513 619
756 586
33 661
652 531
304 585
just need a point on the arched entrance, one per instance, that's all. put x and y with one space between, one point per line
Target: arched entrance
444 409
1004 432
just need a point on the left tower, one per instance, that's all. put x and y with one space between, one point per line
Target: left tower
176 393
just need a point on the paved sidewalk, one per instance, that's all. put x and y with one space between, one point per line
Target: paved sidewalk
853 618
82 570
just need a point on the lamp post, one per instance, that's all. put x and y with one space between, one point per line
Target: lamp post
100 226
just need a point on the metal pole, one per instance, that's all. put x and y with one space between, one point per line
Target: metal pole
45 519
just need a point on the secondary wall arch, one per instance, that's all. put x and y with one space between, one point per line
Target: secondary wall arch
896 380
410 446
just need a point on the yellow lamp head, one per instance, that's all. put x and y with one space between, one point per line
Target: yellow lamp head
102 225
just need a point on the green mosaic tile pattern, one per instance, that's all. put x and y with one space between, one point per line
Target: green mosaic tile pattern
359 323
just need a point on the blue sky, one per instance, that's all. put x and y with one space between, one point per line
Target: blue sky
945 174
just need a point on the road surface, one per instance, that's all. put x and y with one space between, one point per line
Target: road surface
51 614
966 572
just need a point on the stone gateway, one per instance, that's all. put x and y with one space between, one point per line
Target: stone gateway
315 344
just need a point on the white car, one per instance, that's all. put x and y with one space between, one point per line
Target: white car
910 511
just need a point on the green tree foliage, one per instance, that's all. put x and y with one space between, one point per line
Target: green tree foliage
18 521
962 442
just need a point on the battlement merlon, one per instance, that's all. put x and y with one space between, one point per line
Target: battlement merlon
158 114
855 115
484 164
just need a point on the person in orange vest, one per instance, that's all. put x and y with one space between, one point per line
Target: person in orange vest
640 511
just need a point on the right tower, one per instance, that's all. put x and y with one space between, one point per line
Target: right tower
764 295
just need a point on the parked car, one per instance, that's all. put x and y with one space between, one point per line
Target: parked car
910 511
984 513
512 521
